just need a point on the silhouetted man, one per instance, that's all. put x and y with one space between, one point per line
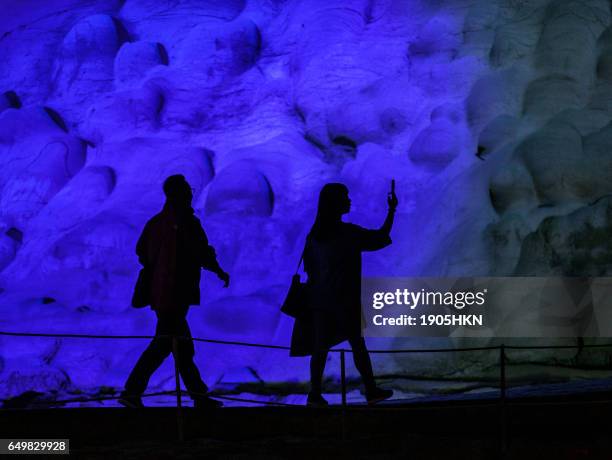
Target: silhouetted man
173 248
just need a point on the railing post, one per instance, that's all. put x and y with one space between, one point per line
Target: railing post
502 373
343 376
343 391
177 381
502 397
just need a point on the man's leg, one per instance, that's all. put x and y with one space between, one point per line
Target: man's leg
186 351
150 360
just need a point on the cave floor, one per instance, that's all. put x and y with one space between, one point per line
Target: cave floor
559 426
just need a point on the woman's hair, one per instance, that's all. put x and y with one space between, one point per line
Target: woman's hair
332 201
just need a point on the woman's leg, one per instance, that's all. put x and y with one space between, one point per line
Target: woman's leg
321 349
317 366
363 364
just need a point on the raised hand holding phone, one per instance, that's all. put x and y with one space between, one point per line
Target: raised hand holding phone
391 197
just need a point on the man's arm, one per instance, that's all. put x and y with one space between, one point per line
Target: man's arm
208 256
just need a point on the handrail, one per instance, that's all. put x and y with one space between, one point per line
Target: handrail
281 347
97 336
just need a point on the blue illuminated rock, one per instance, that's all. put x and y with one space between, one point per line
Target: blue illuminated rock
492 116
134 60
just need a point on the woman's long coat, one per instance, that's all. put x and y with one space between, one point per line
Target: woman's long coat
333 267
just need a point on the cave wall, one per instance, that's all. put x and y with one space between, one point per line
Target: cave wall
493 116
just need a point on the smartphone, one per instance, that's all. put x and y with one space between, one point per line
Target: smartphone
392 186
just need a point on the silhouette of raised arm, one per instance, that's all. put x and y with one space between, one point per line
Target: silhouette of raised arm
392 201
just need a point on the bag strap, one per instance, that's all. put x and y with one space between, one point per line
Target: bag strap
301 260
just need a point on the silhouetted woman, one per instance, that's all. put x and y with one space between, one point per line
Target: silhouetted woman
332 260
